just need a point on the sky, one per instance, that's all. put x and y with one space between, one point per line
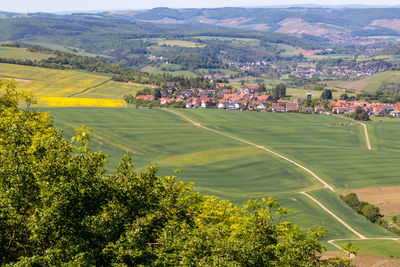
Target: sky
91 5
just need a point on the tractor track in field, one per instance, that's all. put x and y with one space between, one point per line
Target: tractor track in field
365 130
325 184
89 88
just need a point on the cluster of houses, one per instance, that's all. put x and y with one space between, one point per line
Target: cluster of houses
245 98
249 98
361 69
373 109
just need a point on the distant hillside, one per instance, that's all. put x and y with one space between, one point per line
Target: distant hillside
295 21
298 21
371 84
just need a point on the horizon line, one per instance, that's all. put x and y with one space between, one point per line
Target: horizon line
305 5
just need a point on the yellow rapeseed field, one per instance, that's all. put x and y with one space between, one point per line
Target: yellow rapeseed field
68 88
80 102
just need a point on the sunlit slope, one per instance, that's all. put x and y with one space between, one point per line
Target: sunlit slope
216 164
335 152
50 83
370 84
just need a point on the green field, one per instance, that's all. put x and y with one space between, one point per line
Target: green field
45 82
21 53
386 248
180 43
173 69
370 84
336 153
234 170
359 223
67 49
302 92
233 40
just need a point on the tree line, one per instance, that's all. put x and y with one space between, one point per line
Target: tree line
120 73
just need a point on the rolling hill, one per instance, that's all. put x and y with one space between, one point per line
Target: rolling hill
69 88
222 166
370 84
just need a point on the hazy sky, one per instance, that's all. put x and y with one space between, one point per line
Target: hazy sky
83 5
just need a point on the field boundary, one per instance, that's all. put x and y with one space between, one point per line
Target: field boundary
365 130
334 215
258 146
326 185
89 88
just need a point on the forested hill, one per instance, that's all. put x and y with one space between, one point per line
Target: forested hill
314 21
138 38
293 21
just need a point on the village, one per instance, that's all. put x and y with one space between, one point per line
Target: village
250 98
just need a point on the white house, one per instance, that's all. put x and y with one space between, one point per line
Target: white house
262 106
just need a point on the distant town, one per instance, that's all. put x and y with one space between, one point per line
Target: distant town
250 98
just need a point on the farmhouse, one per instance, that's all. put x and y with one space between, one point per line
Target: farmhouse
277 108
342 110
165 100
319 109
222 105
262 106
146 97
395 113
307 110
264 98
292 107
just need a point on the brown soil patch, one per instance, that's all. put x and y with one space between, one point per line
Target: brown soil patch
393 24
257 27
22 80
308 52
366 260
389 203
298 26
233 22
354 85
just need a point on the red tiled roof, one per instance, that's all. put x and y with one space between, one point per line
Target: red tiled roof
146 97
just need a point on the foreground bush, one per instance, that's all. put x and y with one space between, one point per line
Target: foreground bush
57 207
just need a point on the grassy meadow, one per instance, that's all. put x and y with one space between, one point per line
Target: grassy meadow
21 53
386 248
172 69
181 43
350 216
370 84
233 170
336 153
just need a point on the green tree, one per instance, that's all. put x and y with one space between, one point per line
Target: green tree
262 87
351 200
57 207
371 212
279 91
344 96
351 249
326 94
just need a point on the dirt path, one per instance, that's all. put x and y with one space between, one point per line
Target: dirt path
90 88
258 146
366 135
334 216
365 130
326 185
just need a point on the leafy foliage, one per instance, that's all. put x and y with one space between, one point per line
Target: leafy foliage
369 211
57 207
